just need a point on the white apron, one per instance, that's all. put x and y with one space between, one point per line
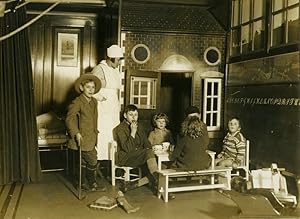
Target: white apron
108 110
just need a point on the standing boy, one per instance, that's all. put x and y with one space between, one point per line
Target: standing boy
81 122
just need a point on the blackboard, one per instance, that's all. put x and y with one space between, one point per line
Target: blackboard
270 118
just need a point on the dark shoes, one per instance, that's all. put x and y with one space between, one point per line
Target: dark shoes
126 186
85 187
95 187
153 179
156 177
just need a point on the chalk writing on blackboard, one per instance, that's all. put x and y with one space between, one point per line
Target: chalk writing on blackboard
264 101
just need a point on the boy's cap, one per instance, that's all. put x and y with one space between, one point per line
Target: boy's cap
192 109
87 76
114 51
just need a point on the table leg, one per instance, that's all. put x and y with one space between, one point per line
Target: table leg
159 163
166 189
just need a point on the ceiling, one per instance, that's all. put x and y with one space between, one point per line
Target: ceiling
181 2
201 3
102 2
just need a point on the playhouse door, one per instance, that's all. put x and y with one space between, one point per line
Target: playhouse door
175 96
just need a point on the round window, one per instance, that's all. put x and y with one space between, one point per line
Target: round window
140 53
212 56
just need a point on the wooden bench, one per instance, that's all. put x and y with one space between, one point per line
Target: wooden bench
165 175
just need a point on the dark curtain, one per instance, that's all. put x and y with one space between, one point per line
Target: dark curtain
19 157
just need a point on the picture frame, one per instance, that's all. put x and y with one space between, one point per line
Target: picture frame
67 49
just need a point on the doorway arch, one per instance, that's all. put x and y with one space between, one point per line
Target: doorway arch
176 89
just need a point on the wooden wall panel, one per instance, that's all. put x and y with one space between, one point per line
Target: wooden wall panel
64 76
94 49
47 71
54 83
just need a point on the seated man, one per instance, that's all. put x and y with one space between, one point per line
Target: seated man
134 149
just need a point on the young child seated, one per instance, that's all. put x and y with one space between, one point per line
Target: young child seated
234 145
160 133
190 151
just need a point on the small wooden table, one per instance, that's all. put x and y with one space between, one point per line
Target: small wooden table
164 187
165 175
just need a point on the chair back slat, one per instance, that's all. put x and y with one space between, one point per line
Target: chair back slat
112 150
247 154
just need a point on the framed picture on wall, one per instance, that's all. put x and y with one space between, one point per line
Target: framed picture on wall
67 49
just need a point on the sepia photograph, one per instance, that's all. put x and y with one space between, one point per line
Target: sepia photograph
150 109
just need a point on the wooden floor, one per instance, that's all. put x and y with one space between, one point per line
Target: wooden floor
52 199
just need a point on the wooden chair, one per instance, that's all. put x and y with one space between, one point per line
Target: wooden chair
245 165
236 170
128 176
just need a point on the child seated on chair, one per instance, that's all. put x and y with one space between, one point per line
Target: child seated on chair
160 133
81 122
234 144
190 151
134 148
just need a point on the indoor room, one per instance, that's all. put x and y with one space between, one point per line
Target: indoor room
149 109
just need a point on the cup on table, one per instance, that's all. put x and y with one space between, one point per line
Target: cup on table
157 148
165 146
171 148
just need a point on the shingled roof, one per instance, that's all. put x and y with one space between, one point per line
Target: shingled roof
168 18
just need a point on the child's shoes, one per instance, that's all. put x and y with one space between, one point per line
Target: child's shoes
85 187
97 188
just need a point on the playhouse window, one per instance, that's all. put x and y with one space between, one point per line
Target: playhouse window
143 92
212 103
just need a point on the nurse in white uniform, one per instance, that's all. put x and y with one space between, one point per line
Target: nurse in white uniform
108 98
